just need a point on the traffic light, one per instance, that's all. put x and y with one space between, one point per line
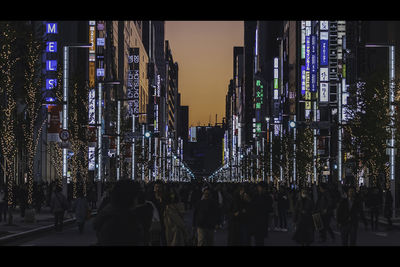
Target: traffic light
292 124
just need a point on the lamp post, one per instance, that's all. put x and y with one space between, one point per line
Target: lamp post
65 107
269 139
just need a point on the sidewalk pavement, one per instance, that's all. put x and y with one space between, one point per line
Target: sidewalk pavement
44 221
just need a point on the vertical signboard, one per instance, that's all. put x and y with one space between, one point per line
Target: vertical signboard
324 62
303 39
324 48
303 80
50 59
307 74
133 81
276 78
92 158
92 97
136 80
54 123
313 63
92 107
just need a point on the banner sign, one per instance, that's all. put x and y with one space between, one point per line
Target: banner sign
92 107
324 92
276 78
133 81
313 64
324 51
303 79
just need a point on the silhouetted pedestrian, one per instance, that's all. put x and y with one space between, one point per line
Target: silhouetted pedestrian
348 214
302 219
388 209
118 224
58 206
262 205
81 208
205 218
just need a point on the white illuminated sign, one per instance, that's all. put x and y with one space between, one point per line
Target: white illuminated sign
92 106
92 160
276 94
324 74
100 41
276 62
323 25
324 92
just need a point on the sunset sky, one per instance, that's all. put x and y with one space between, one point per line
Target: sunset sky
204 52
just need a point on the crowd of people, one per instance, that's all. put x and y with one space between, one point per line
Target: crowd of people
153 214
247 211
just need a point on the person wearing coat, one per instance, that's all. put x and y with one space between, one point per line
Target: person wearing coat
262 204
206 218
117 224
324 206
58 206
175 229
387 211
243 215
348 214
81 208
144 211
303 221
283 206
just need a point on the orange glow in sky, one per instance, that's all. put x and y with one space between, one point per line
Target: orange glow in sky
204 52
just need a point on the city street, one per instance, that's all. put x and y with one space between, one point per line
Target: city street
231 118
70 237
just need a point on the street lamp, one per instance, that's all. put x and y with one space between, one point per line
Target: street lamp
65 107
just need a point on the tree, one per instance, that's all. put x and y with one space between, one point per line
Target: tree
33 102
79 140
8 146
304 154
368 116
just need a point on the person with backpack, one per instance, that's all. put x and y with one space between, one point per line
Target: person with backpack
58 206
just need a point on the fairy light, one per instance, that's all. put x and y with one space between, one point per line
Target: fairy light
7 112
33 103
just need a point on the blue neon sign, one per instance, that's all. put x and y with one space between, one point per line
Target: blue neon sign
51 47
51 83
51 65
313 64
51 28
303 79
